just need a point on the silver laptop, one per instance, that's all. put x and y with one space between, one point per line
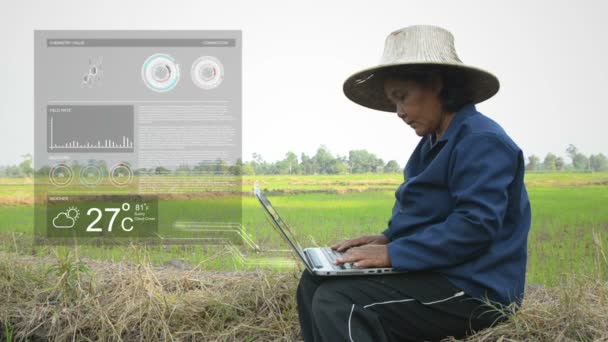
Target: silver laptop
318 260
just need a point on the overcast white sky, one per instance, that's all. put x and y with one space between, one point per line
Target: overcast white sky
550 57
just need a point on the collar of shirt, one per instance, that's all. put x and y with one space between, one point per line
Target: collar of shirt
460 116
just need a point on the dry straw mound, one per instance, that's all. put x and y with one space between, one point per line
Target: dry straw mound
66 298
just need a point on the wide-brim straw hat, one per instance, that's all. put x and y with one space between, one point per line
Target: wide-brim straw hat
417 48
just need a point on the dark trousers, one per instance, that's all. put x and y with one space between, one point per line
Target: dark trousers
391 307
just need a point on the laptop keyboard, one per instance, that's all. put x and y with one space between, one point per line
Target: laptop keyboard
332 255
315 260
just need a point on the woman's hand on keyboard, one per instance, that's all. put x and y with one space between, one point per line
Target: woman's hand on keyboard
370 255
378 239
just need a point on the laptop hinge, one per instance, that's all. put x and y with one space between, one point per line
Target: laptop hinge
310 260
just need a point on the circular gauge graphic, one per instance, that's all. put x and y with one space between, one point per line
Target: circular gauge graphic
90 175
160 72
207 72
61 175
120 174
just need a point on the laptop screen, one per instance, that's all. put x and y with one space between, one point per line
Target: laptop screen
281 225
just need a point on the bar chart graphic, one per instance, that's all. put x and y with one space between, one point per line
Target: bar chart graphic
96 128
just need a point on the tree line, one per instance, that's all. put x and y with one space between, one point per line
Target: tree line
578 162
324 162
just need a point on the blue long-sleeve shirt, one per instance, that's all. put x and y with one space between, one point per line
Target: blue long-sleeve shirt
463 210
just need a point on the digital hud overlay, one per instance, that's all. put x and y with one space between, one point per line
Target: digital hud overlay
138 137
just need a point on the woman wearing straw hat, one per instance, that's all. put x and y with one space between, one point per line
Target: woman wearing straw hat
460 222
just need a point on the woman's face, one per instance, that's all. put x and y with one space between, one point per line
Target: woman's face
417 105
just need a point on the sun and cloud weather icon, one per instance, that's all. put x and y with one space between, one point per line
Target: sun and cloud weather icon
66 218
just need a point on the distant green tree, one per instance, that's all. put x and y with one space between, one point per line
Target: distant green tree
291 159
572 151
260 167
377 165
12 171
160 170
25 167
203 167
220 167
338 165
247 169
549 162
307 164
361 161
533 162
43 171
236 168
323 160
598 162
559 164
392 167
280 167
580 162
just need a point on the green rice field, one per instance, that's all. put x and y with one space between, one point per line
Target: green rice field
569 222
